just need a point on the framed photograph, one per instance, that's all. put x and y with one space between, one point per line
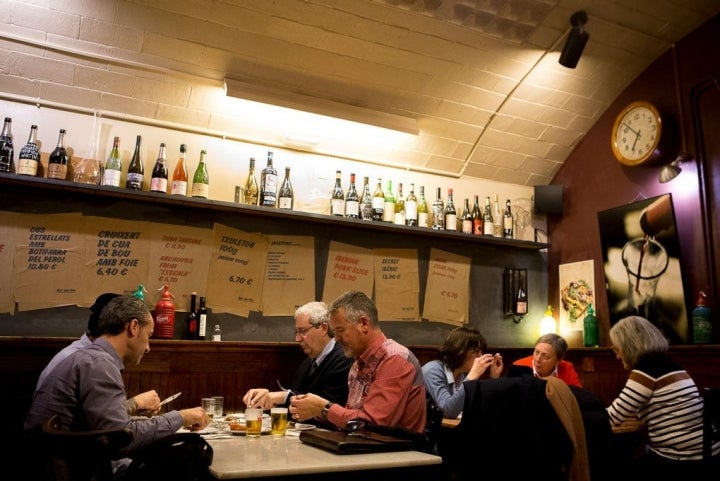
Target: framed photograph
577 293
641 262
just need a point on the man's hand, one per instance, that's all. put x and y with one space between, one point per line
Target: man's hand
146 404
195 419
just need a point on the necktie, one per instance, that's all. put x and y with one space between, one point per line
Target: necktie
313 367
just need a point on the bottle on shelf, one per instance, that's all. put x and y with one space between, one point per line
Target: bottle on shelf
399 217
411 208
180 174
201 179
251 190
366 200
702 320
477 217
159 179
466 218
352 200
488 221
521 302
29 156
286 196
450 213
389 204
113 166
59 159
217 333
507 221
7 151
268 183
497 218
337 197
136 170
590 328
422 209
378 202
191 323
202 315
165 315
438 211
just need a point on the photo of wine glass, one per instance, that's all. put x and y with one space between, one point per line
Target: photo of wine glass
522 211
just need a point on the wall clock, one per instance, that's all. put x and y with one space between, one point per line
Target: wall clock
636 134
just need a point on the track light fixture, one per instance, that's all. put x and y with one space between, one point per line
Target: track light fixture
672 170
576 40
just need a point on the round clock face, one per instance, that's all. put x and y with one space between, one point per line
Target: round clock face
636 133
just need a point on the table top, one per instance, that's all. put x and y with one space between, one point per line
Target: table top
241 457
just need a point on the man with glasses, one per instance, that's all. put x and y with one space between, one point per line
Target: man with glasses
325 369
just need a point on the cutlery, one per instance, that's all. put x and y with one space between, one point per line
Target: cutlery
171 398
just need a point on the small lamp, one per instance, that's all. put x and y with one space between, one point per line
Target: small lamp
672 170
576 40
547 323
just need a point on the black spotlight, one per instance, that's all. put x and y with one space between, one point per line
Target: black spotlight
575 43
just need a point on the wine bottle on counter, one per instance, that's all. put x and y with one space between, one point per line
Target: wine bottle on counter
286 196
450 213
58 161
352 200
180 174
202 315
268 184
422 209
337 197
507 221
389 206
159 179
477 221
191 326
438 211
250 190
466 218
497 218
29 156
399 217
488 221
411 207
7 150
366 200
378 202
136 169
201 179
113 166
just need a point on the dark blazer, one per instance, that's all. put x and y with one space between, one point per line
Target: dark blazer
330 379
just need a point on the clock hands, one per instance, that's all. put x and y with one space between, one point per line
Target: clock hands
631 129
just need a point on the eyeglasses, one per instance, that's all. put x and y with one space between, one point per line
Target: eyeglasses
302 331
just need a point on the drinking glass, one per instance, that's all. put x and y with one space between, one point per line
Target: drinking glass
253 422
278 421
208 404
645 261
218 406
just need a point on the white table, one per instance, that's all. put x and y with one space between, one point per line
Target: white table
269 456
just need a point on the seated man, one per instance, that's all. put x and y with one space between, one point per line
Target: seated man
547 360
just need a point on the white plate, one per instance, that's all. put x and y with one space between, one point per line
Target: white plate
241 416
301 427
265 430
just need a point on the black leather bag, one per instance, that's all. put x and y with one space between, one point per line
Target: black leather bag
180 457
356 442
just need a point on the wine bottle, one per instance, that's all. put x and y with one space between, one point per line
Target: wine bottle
202 315
488 221
7 151
268 183
29 156
521 302
497 218
466 218
113 166
180 174
191 326
286 196
159 179
337 197
352 201
201 179
411 207
378 202
250 190
422 209
507 221
450 213
366 200
477 220
399 217
438 212
136 169
389 206
58 161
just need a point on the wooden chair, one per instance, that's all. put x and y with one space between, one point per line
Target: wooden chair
711 422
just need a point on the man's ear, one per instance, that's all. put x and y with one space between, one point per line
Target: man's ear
133 328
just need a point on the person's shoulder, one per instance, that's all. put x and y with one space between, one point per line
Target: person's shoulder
524 361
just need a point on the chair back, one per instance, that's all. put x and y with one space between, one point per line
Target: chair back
711 421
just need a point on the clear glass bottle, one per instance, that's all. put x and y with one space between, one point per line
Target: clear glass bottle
159 179
497 218
378 202
29 157
217 333
507 221
477 220
488 222
337 197
113 166
389 206
201 179
180 174
466 218
251 190
59 159
136 169
7 151
399 217
286 196
438 211
366 200
411 207
352 200
450 213
268 183
422 209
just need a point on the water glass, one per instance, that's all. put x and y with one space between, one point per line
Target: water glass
278 421
208 404
218 407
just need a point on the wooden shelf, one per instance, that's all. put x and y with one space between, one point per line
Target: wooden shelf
257 211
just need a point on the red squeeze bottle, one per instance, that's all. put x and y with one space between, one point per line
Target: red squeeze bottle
165 315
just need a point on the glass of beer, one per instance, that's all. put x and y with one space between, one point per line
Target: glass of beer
278 421
253 421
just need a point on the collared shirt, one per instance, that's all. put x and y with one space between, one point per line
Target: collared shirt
84 341
442 387
326 350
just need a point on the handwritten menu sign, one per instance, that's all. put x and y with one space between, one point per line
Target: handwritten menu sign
48 256
11 233
397 284
237 271
291 271
349 267
448 285
116 256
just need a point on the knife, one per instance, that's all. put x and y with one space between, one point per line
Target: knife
171 398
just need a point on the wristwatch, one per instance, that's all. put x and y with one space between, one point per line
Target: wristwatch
326 409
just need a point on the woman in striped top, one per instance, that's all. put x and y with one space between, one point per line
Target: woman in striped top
661 394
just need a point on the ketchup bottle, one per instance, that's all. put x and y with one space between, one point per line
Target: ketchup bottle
165 315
